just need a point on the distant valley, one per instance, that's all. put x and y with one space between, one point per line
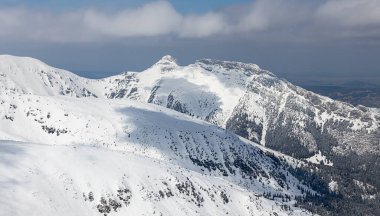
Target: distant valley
355 93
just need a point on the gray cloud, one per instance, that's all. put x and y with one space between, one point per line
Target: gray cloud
265 18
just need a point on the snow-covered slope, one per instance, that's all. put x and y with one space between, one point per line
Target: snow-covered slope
110 156
31 76
200 89
65 180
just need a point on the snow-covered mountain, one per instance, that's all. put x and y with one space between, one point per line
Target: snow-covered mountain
253 103
343 141
243 98
87 156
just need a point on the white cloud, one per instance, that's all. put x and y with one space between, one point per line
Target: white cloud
154 19
350 13
157 18
24 24
274 17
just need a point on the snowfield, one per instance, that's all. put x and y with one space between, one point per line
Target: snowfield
72 180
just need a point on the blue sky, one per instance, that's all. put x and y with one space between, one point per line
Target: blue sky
304 41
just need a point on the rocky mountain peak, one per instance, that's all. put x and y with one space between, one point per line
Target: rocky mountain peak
167 62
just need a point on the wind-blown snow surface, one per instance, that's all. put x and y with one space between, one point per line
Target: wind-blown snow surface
66 180
119 157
